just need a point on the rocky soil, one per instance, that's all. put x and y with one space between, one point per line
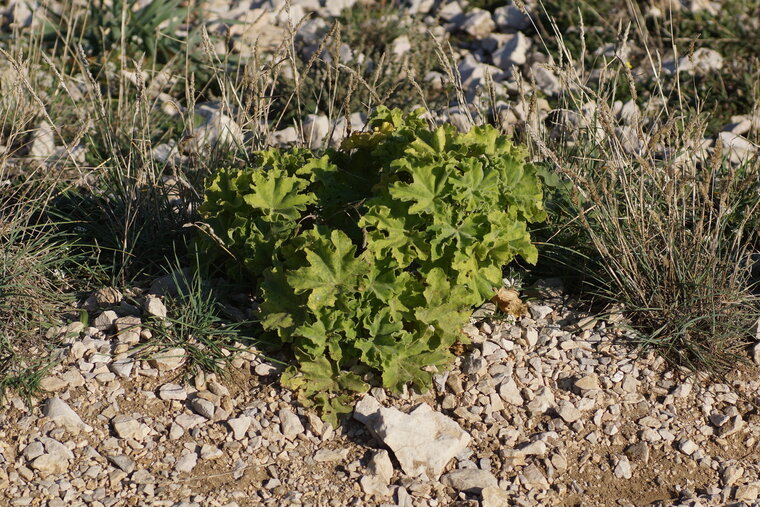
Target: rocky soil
552 408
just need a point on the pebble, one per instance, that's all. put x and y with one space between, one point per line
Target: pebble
623 468
105 321
123 463
380 465
330 455
203 407
638 452
510 393
470 480
128 427
568 412
688 447
50 464
186 463
239 426
748 492
154 307
265 369
170 391
290 424
169 359
59 412
731 475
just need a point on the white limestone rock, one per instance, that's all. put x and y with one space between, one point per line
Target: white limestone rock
60 413
423 441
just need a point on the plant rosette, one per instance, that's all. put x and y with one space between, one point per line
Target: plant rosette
368 259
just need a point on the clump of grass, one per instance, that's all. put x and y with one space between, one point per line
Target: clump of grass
32 290
196 322
31 274
18 373
659 224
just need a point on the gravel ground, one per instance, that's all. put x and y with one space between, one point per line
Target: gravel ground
553 408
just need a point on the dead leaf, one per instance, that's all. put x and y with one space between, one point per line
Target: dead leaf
508 301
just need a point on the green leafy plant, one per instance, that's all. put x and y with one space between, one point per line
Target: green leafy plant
368 258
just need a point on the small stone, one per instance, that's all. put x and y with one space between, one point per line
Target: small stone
203 407
513 51
33 450
53 384
315 129
128 329
423 441
702 61
169 392
290 424
688 447
272 483
129 427
210 452
330 455
381 466
373 486
733 425
122 367
189 421
155 307
186 463
739 148
559 462
106 297
537 448
532 478
623 468
469 480
478 23
73 377
169 359
218 389
104 322
60 413
567 411
540 312
495 497
176 431
682 391
454 383
122 462
51 464
587 383
265 369
756 352
543 401
731 475
142 477
748 493
473 365
239 426
638 452
510 393
56 448
509 17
